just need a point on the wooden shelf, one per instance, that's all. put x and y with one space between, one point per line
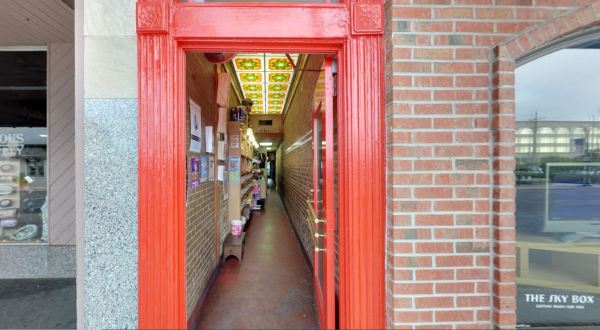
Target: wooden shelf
240 148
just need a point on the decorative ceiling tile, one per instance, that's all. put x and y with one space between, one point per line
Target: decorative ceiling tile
280 63
280 77
270 73
254 96
278 87
252 87
277 96
248 64
251 77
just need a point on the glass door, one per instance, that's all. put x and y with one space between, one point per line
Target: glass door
322 207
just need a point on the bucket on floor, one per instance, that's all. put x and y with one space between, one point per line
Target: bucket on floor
236 227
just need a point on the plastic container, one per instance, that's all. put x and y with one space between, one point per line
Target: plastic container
236 227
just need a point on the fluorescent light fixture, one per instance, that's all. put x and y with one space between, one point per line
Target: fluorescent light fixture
266 144
268 148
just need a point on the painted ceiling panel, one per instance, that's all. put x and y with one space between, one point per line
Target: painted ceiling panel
265 79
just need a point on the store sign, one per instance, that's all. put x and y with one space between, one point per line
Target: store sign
11 144
559 301
538 305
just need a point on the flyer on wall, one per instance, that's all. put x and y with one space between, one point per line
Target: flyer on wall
194 173
211 167
195 120
203 168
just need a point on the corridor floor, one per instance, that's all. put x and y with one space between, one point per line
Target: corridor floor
272 287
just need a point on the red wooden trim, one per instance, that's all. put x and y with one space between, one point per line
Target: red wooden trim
152 17
289 21
329 202
361 181
161 180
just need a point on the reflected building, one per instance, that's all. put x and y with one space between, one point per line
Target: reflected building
556 138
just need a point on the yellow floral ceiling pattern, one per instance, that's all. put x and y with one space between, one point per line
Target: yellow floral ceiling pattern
265 79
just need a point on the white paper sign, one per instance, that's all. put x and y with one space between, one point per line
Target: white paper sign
221 173
194 144
195 120
221 150
209 139
222 126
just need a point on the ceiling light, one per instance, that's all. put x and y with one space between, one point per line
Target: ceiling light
266 144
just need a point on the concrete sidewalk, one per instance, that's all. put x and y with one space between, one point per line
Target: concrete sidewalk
38 304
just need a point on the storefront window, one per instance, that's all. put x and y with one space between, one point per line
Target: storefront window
558 189
23 147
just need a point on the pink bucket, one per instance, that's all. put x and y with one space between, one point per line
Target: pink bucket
236 227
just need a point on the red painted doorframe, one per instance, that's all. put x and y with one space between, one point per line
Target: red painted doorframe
353 31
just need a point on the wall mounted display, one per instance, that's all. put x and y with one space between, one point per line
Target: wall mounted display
557 179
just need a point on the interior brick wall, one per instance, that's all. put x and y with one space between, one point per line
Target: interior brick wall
206 212
296 154
450 223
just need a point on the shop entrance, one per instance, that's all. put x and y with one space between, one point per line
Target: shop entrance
350 31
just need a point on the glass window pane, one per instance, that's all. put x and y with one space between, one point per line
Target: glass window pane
558 189
23 147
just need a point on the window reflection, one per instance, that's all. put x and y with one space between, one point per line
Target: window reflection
23 147
23 182
558 188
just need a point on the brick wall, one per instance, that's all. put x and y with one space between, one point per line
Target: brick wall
296 181
450 237
206 223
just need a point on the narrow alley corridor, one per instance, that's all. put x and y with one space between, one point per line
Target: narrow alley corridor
272 287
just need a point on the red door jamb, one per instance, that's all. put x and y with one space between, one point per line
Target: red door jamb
353 31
